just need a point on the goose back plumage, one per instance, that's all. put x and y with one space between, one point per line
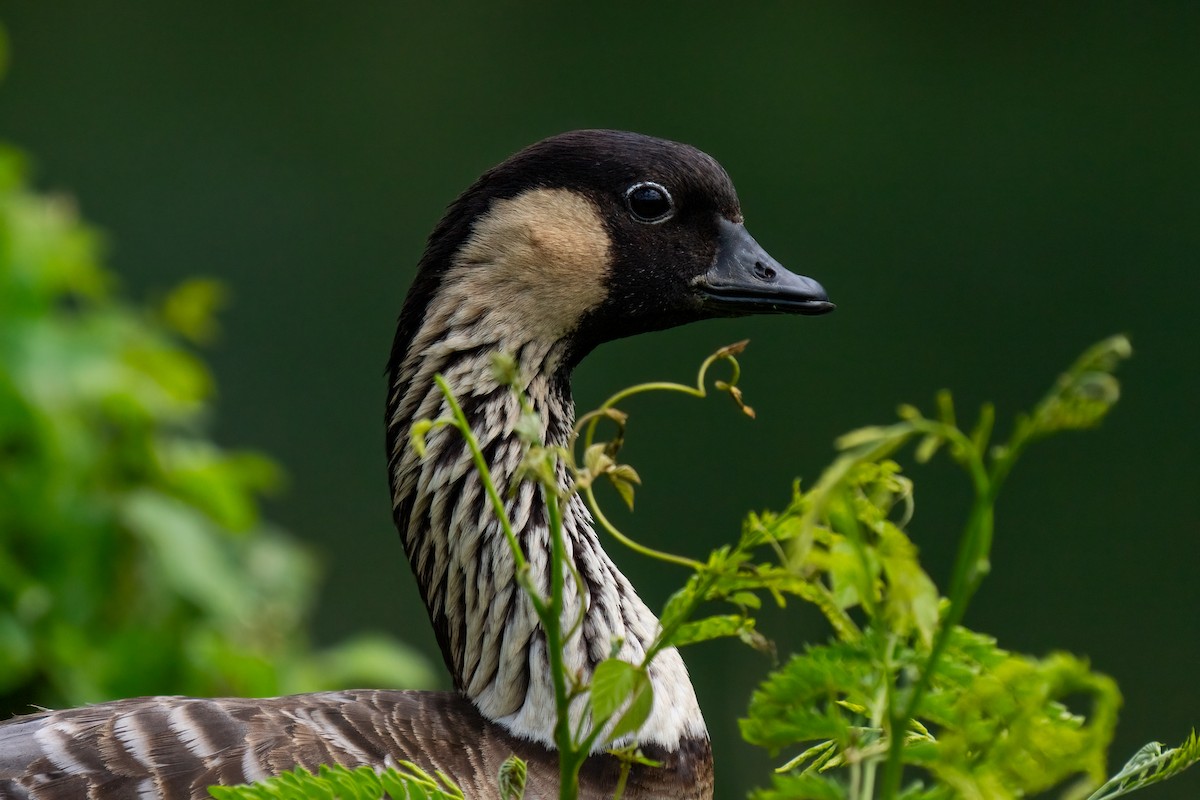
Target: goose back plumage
175 747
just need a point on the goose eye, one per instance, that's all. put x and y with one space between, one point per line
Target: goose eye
649 202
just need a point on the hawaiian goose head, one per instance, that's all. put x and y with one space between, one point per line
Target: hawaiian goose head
576 240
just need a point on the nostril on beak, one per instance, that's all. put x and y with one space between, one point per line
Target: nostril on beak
763 271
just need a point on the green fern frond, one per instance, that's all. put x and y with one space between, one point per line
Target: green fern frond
1150 765
408 782
512 778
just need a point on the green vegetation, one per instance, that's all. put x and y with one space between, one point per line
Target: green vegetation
409 782
900 685
133 555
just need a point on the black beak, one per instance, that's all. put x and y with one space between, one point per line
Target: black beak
744 279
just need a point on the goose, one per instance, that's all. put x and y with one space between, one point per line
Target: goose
579 239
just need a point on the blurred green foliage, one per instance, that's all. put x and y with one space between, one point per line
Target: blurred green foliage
134 558
902 684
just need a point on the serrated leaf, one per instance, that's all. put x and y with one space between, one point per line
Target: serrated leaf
798 702
406 781
802 786
1007 730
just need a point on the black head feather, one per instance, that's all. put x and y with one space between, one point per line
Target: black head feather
601 165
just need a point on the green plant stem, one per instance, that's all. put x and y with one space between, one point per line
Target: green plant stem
570 756
879 710
481 465
968 574
854 536
588 423
706 582
549 610
621 781
592 419
649 552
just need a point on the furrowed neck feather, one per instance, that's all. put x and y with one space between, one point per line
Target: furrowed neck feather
489 634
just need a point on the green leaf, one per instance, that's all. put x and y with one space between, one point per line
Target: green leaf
745 600
624 472
512 779
540 464
596 460
803 786
624 489
911 600
715 627
639 709
799 702
678 605
613 683
134 555
1008 732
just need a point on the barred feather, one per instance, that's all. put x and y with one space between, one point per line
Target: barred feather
175 747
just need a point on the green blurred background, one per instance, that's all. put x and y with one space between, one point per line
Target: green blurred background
983 193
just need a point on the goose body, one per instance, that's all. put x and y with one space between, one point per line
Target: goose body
579 239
